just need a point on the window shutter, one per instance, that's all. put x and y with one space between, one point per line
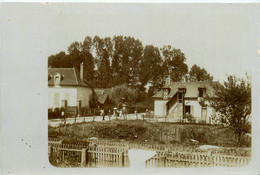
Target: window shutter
192 110
56 99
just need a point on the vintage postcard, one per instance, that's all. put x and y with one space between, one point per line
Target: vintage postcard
133 87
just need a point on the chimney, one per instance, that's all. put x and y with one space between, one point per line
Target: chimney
81 71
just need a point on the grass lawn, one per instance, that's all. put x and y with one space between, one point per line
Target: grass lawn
154 133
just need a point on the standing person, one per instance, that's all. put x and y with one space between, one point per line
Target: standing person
63 116
114 112
62 113
136 113
120 113
109 114
102 114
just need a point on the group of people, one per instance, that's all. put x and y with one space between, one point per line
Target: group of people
116 113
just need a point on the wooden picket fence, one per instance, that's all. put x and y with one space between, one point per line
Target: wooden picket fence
144 146
82 155
188 159
104 153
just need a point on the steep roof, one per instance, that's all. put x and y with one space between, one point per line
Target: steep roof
107 91
102 94
70 77
102 98
191 89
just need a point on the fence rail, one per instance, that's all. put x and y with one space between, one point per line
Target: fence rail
107 153
82 155
185 159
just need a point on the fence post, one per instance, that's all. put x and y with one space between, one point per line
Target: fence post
161 160
50 151
83 157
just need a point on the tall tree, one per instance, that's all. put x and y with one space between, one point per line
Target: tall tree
103 56
126 59
233 102
89 64
175 59
75 54
60 60
104 71
116 60
99 47
151 70
199 74
136 53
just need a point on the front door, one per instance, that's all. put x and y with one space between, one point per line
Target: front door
204 113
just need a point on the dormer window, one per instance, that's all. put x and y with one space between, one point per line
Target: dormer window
182 89
165 93
180 97
181 92
57 79
202 92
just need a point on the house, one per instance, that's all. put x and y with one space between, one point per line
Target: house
67 88
103 97
177 100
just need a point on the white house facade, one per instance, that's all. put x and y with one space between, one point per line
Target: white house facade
67 88
177 100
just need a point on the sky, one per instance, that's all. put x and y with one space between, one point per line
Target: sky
218 37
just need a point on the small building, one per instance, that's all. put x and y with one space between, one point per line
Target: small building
178 100
66 87
103 98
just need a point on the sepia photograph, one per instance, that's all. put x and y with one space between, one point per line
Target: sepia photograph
149 85
164 87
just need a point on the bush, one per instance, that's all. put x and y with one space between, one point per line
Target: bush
190 118
53 114
74 140
72 111
202 122
139 131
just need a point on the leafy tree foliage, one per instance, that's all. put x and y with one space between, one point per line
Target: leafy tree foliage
151 70
75 54
93 102
103 48
123 94
110 62
104 71
60 60
126 59
199 74
175 59
89 64
233 102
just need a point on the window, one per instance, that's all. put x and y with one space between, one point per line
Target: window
204 113
56 99
57 79
180 97
187 110
202 92
165 93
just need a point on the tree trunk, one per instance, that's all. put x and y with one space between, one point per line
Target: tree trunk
239 138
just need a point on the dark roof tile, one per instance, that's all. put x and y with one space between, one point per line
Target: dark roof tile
191 89
71 77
